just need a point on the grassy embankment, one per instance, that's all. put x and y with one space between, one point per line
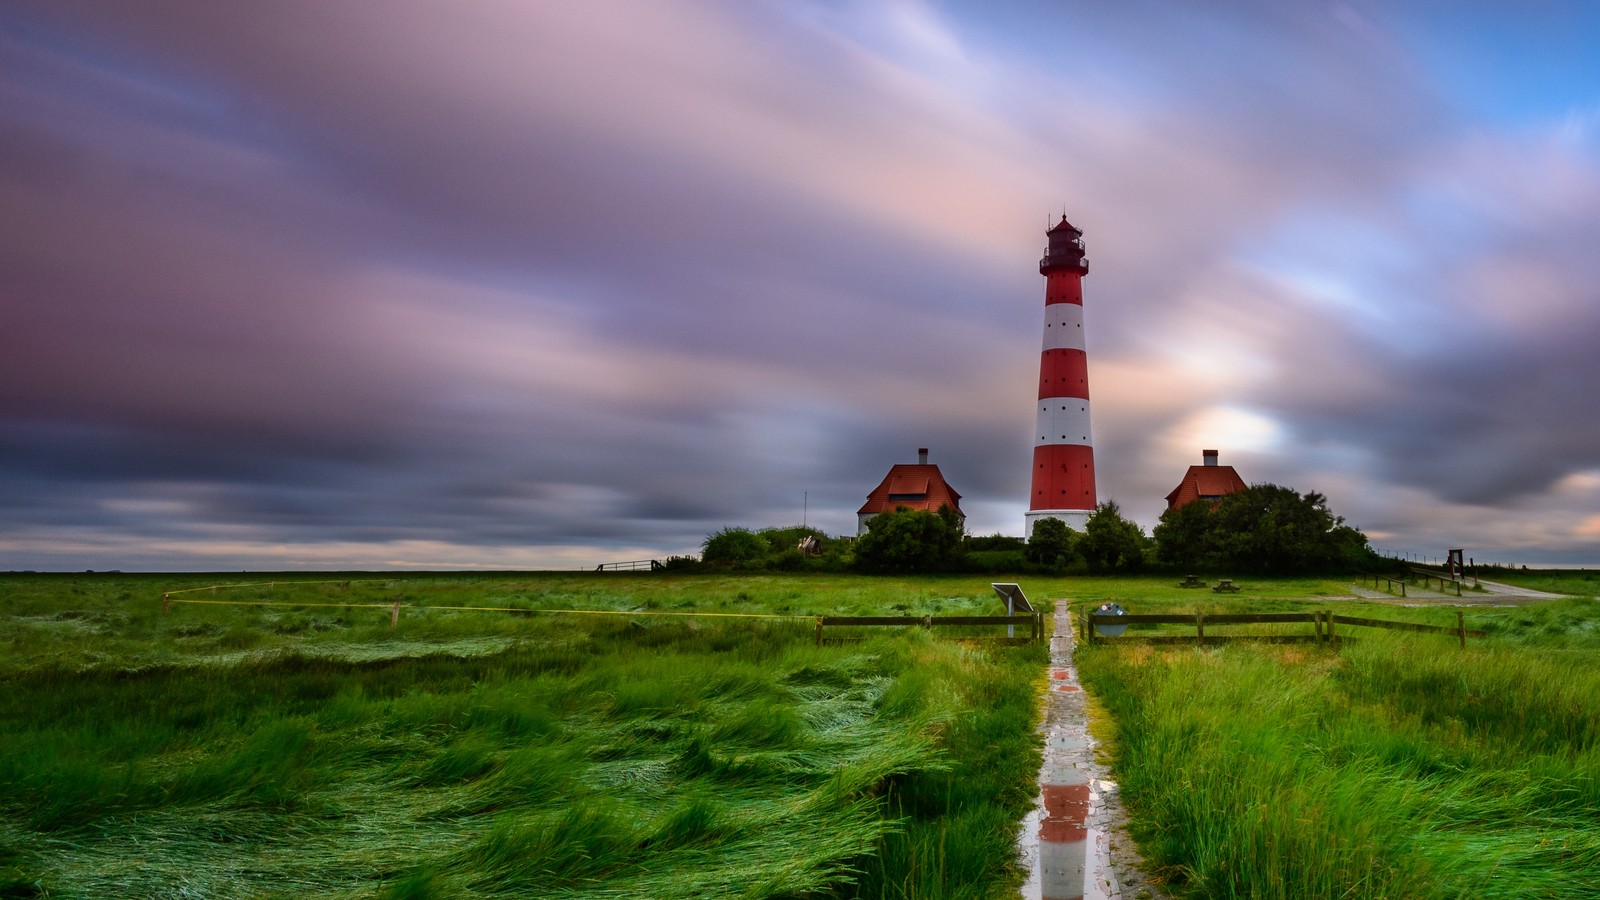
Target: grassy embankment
313 751
1398 766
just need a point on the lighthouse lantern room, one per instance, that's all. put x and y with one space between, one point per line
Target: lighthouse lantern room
1063 453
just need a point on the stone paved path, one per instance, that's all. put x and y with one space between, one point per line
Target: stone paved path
1075 843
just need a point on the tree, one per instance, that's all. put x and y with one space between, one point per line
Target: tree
1111 542
910 540
1183 536
1052 544
732 546
1272 529
1265 528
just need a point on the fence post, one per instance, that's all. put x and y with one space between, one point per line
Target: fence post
1402 588
1331 638
1461 628
1316 624
166 601
819 631
1199 628
394 614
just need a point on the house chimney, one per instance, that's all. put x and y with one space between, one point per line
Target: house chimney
1210 457
922 456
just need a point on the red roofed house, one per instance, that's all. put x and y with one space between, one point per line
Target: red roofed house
919 486
1208 482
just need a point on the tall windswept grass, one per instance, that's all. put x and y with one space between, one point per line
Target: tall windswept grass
284 751
1396 767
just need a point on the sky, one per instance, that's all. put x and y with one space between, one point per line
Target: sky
385 284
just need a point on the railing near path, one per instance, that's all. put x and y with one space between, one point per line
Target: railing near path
1427 578
1323 621
1389 584
1033 621
632 565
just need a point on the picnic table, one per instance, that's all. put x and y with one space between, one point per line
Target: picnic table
1191 581
1226 585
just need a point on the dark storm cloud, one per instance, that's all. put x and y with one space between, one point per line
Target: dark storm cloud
361 283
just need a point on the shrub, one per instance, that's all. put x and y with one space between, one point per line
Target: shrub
734 545
910 540
1110 542
1265 528
1052 545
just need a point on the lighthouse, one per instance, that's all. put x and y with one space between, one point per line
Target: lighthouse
1063 453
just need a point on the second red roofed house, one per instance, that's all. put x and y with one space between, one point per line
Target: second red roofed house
1209 482
910 486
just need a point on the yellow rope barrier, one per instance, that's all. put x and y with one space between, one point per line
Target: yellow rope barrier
214 587
284 603
165 599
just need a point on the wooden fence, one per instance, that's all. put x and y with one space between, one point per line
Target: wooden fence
1033 621
1428 578
1324 622
1412 573
632 565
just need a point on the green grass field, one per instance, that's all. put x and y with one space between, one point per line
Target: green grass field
311 750
303 747
1397 766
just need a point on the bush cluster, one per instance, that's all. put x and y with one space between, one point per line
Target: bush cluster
792 549
1266 529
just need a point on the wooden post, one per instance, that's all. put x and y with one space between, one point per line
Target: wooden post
1461 628
1402 588
1199 628
1316 623
819 631
166 601
394 614
1330 627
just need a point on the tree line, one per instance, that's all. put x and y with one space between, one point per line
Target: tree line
1265 529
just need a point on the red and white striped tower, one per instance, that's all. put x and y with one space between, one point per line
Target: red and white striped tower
1063 454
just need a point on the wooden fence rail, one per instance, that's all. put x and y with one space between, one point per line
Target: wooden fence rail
1033 621
632 565
1323 621
1389 583
1427 578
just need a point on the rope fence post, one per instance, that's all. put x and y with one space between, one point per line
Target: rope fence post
166 603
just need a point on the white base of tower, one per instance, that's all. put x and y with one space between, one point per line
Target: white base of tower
1075 519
